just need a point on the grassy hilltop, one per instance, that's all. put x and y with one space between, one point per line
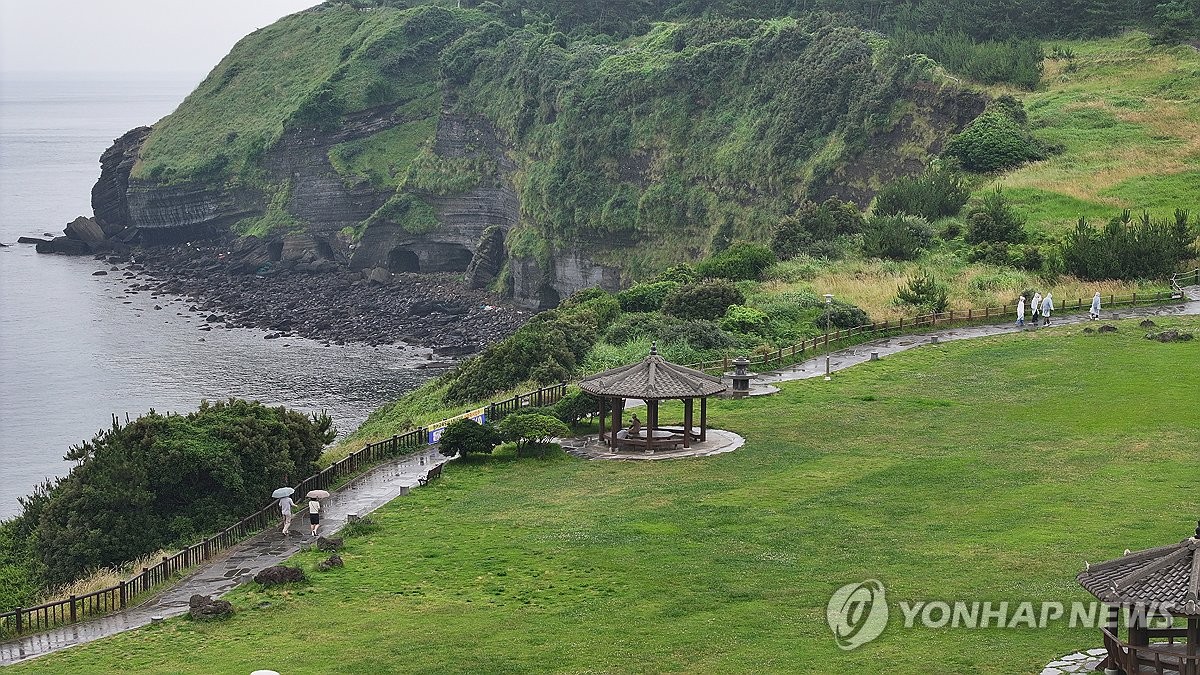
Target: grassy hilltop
980 470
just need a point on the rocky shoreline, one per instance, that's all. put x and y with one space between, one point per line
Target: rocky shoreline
329 303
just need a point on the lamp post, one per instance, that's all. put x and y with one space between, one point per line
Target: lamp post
828 319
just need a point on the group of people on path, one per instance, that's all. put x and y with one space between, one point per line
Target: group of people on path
314 513
1041 308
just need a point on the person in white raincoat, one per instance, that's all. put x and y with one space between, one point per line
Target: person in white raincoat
1035 307
1047 307
1094 312
1021 312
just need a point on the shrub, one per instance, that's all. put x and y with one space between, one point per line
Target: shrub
163 479
925 293
705 300
633 325
938 192
1129 249
811 228
997 140
747 320
574 406
468 437
992 219
682 273
531 431
841 315
696 334
646 297
738 262
896 237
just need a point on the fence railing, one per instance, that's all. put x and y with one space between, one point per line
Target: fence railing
75 608
1182 279
844 337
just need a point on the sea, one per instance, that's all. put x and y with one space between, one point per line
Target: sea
77 349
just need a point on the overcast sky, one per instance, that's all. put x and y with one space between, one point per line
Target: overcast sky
128 36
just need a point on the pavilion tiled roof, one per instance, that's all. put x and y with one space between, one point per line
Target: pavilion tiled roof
1168 576
653 378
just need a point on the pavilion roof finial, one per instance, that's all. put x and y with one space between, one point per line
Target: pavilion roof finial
1197 529
654 348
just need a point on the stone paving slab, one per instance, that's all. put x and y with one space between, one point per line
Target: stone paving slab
1079 662
240 563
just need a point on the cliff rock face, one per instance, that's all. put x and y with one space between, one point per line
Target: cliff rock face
108 194
462 219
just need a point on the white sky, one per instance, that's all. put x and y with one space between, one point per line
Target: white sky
128 36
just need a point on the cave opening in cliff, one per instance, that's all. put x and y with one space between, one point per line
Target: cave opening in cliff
403 260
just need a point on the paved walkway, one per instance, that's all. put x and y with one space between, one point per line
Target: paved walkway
861 353
241 562
395 478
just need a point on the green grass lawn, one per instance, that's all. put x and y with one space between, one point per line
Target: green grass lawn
982 470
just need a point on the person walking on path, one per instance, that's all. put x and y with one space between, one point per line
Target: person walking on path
285 507
1094 312
314 514
1021 312
1047 308
1035 307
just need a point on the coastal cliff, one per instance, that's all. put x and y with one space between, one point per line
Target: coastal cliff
431 140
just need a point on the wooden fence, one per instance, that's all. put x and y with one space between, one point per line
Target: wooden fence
1182 279
844 337
73 609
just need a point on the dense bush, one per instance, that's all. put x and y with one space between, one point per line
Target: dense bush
896 237
646 297
531 432
841 315
468 437
997 140
1018 62
812 227
682 273
545 350
696 333
1128 248
574 406
925 293
164 480
992 219
705 300
938 192
746 320
738 262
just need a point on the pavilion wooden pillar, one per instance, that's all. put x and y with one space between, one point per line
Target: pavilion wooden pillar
603 407
1139 633
1193 635
618 408
687 422
651 422
703 420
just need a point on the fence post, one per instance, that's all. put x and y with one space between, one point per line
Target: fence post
1134 298
18 620
72 609
124 594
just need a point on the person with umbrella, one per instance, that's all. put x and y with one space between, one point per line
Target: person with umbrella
314 508
284 495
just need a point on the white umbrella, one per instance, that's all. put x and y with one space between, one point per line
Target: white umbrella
282 492
318 494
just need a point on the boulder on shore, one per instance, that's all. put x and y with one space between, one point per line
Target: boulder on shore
64 246
204 608
280 574
84 229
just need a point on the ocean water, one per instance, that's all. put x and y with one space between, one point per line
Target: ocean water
76 349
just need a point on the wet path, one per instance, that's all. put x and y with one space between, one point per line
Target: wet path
240 563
